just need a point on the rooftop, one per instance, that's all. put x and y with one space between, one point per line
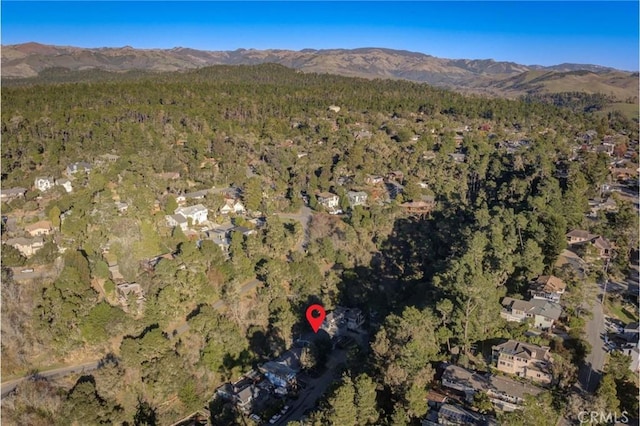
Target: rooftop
522 350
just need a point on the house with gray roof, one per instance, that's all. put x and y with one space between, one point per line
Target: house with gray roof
523 360
179 220
80 166
12 193
197 214
543 312
357 198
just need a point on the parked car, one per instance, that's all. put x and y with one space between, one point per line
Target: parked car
274 419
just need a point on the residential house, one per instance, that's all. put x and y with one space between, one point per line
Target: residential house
81 166
43 227
279 375
109 158
329 201
127 289
26 246
179 220
597 205
454 414
244 230
506 394
65 183
396 175
242 393
121 206
543 312
44 184
197 214
196 195
523 360
420 207
220 239
357 198
579 236
394 188
603 247
12 193
458 158
232 206
374 180
547 287
342 319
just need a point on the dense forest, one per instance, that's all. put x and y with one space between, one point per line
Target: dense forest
429 285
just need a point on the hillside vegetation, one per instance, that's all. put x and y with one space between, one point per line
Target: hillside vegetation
507 180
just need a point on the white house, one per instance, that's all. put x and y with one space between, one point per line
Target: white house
232 206
65 183
197 214
44 183
28 247
329 201
80 166
177 220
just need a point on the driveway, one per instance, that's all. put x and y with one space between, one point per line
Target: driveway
315 388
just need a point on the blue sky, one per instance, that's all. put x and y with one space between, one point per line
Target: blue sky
545 33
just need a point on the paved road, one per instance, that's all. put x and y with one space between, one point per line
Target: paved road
304 217
9 386
18 275
315 388
591 371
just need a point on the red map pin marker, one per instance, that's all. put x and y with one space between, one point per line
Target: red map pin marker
315 316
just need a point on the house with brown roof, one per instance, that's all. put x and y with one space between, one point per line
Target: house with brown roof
523 360
419 207
27 246
579 236
547 287
603 247
506 394
43 227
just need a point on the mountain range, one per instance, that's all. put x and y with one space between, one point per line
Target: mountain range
477 75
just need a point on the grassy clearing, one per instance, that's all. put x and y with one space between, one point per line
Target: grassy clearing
619 311
629 110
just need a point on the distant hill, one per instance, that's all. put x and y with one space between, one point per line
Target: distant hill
483 76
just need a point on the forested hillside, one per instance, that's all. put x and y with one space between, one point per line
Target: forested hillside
508 180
